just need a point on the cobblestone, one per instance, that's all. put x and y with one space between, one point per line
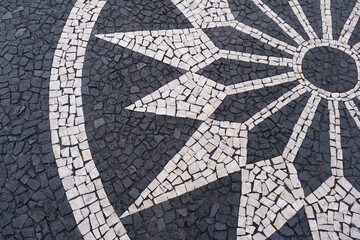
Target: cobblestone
192 119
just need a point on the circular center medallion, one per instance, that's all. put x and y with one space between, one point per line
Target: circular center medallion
330 69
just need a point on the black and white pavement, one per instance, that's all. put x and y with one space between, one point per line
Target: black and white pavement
180 119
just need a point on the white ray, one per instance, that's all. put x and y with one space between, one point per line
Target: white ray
350 24
298 11
207 156
354 111
248 57
217 13
192 95
300 129
189 49
335 139
281 23
260 83
263 37
326 19
275 106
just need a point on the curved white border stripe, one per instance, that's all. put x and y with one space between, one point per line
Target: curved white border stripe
92 210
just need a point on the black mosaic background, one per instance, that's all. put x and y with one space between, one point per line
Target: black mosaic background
350 139
248 13
313 14
228 71
269 138
131 148
340 13
296 228
313 159
231 39
209 212
33 204
242 106
284 11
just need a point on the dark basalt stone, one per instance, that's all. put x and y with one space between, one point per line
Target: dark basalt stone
296 228
228 71
125 16
242 106
340 13
29 207
284 11
131 148
313 159
112 80
192 215
330 69
313 14
269 138
350 143
231 39
247 12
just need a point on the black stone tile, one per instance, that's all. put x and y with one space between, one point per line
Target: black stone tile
242 106
312 12
313 159
116 74
29 32
296 228
355 37
129 148
284 11
340 13
247 12
269 138
350 142
136 15
231 39
228 71
209 212
330 69
132 148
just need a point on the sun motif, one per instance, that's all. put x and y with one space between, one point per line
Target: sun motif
218 148
271 192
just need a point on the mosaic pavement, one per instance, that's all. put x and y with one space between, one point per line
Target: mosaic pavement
180 119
